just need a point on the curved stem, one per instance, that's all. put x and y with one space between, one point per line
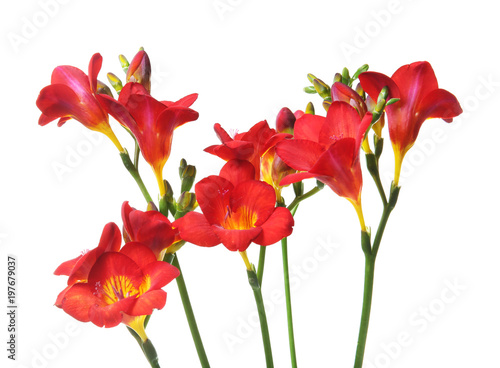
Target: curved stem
291 338
252 280
195 333
300 198
150 353
135 174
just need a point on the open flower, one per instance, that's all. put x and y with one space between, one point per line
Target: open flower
235 215
150 121
249 146
327 148
72 94
420 99
123 287
150 228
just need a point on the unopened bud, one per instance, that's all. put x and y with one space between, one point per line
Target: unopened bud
285 121
322 88
186 202
337 78
311 77
188 176
115 82
310 108
103 89
383 95
124 63
139 70
326 105
360 91
310 90
360 70
345 76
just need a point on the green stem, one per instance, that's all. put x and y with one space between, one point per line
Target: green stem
135 174
150 353
262 259
147 348
136 155
300 198
372 165
190 316
365 314
370 256
291 339
253 281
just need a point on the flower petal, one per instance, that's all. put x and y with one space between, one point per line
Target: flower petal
238 171
299 154
308 127
278 226
254 199
194 228
213 193
236 240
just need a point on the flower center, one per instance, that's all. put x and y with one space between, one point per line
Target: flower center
116 288
241 219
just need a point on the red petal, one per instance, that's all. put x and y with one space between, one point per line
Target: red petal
236 240
94 68
259 135
194 228
439 104
373 82
186 101
160 273
342 121
144 305
58 100
238 171
232 150
342 92
111 315
278 226
65 268
308 127
299 154
139 253
222 134
119 112
77 301
73 78
415 81
295 178
213 195
113 264
254 198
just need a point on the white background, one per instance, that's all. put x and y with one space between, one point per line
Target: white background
247 59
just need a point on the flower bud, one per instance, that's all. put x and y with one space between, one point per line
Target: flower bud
186 202
139 70
285 121
326 105
187 174
115 82
322 88
103 89
124 63
337 78
310 108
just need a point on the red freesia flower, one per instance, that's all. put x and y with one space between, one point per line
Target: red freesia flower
420 99
327 148
123 287
150 228
235 215
72 94
249 146
150 121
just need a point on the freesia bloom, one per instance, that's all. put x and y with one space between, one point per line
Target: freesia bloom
150 121
420 99
122 287
150 228
72 94
235 215
249 146
327 148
